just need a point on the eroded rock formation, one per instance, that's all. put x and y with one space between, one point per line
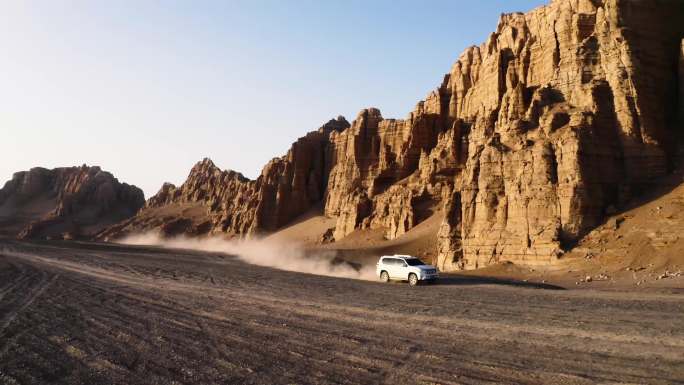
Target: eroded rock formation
564 123
563 113
548 123
212 200
68 202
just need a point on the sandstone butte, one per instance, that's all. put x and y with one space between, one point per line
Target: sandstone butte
65 203
562 115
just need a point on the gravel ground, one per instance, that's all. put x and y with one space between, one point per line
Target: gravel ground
78 313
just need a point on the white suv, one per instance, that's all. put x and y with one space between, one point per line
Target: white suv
405 267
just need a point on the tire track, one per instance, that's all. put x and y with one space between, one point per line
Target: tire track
231 322
20 277
31 297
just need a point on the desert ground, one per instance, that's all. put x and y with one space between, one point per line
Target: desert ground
87 313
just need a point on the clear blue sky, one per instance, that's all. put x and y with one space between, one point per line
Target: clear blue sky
145 89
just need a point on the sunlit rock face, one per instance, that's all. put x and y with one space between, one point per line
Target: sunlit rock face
215 201
529 139
563 113
570 110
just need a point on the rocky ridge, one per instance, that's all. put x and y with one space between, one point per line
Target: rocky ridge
68 202
564 114
226 202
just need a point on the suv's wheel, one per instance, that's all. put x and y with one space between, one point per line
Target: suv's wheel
384 277
413 279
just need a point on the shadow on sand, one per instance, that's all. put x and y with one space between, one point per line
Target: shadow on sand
457 279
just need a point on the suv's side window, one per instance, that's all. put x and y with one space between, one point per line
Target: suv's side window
390 261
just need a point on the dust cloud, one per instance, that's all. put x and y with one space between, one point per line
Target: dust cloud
264 252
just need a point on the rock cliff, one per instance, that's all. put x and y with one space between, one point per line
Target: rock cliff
571 112
564 114
213 201
561 115
68 202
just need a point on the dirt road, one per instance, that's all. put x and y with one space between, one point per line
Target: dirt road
100 314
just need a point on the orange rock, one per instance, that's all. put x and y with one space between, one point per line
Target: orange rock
562 113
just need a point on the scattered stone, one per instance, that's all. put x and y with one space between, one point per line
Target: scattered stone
668 274
614 223
328 237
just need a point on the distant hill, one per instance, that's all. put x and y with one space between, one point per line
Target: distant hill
65 203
